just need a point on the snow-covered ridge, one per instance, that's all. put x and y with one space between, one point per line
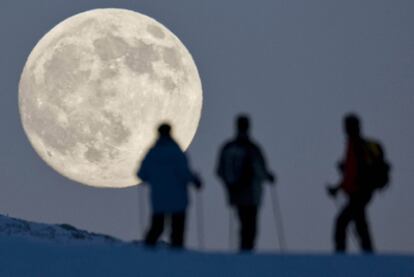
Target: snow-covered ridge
36 249
64 233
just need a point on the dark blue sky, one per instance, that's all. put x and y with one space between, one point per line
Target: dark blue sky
296 66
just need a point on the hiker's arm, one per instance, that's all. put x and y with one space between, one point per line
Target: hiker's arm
333 189
270 177
142 172
220 164
269 174
190 176
196 181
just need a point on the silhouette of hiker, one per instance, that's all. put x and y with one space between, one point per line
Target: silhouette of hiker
166 170
242 168
363 169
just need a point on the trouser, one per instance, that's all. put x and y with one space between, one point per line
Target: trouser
177 221
248 226
354 211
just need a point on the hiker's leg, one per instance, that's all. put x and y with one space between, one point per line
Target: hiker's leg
251 228
342 221
241 213
177 229
362 226
248 226
156 229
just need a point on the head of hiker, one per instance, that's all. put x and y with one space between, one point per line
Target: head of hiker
352 126
242 125
164 130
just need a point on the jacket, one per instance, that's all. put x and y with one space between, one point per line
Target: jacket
166 170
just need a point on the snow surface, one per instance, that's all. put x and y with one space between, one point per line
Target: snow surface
32 249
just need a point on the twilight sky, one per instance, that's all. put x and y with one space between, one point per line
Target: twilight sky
295 66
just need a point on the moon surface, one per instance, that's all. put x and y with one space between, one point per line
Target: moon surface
95 88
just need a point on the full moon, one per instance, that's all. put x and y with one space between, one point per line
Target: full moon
95 88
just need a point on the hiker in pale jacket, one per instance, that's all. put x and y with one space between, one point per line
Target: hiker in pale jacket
166 170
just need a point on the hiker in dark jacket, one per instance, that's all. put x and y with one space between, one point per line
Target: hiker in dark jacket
242 168
361 175
166 170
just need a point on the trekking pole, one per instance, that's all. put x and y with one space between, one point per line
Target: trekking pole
141 214
231 229
200 220
277 214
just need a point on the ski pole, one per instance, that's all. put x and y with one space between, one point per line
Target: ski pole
200 220
277 214
231 229
141 207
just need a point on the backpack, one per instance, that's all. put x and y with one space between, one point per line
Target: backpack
377 167
236 167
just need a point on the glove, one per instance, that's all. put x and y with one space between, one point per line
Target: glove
332 191
271 178
197 181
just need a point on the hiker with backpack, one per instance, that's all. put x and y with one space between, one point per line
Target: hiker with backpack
364 170
166 170
242 168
